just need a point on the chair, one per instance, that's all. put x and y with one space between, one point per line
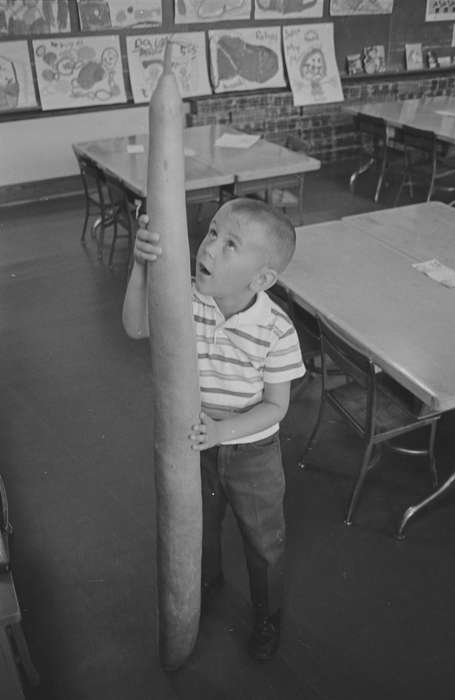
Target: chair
124 208
284 192
307 332
376 145
375 406
307 329
426 161
96 197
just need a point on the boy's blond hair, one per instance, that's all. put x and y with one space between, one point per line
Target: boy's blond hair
279 233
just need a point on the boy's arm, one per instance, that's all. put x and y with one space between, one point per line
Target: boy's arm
134 315
146 249
271 410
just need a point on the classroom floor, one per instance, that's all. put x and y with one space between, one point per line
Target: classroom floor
366 616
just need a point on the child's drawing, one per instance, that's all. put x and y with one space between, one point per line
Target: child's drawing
284 9
34 16
246 59
16 80
438 10
188 57
361 7
414 56
187 11
373 58
310 61
108 14
79 71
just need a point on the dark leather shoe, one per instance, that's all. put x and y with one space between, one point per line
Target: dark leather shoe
265 638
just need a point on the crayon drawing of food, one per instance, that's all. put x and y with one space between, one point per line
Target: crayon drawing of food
246 59
252 62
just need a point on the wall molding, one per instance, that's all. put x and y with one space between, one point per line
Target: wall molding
40 190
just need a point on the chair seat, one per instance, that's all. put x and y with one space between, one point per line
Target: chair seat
393 408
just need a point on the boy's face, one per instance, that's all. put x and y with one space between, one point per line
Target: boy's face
232 256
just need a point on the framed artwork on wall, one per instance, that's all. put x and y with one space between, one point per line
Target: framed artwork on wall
35 17
287 9
17 90
310 60
189 62
95 15
190 11
439 10
361 7
246 59
79 71
414 56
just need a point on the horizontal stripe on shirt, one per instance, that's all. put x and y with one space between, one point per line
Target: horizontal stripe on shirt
238 355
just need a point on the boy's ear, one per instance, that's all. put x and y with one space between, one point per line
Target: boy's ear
264 279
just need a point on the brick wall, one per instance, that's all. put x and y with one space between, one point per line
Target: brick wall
326 131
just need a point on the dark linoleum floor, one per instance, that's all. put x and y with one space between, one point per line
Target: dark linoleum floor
366 616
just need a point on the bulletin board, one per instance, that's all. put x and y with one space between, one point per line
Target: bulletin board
352 32
408 26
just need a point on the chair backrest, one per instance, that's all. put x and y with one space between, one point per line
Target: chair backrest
419 139
373 126
121 204
92 179
348 359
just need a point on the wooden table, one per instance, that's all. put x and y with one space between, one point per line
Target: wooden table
207 166
421 231
125 159
436 114
358 274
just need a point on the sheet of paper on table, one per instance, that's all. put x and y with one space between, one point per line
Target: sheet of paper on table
437 271
227 140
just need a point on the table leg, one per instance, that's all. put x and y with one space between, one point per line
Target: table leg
413 510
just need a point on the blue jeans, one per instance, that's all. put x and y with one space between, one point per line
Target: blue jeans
250 478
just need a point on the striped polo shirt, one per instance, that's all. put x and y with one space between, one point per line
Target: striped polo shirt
238 355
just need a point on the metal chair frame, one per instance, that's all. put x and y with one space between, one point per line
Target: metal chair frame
378 151
308 334
376 392
124 207
96 199
424 161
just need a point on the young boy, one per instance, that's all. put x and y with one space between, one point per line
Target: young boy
248 353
